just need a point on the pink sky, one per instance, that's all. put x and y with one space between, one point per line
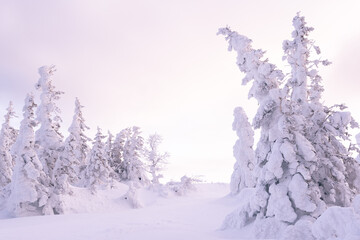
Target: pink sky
159 65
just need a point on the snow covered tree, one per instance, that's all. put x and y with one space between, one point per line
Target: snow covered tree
292 169
117 152
243 175
326 128
6 141
133 169
269 159
97 173
48 138
30 186
72 159
282 151
155 159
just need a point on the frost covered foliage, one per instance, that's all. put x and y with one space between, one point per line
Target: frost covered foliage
133 169
155 159
6 141
72 159
302 166
185 185
243 175
48 138
97 173
30 186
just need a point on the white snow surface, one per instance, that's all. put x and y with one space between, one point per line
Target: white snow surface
107 215
197 215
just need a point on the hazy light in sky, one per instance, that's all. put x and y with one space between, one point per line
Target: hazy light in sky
159 65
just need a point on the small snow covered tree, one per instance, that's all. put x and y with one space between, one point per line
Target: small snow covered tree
243 175
302 164
155 159
97 173
133 169
30 186
72 159
117 152
6 141
48 138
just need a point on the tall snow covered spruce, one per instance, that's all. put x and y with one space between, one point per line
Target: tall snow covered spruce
48 137
302 164
6 141
325 127
30 186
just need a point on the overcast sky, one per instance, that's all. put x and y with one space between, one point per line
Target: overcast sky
159 65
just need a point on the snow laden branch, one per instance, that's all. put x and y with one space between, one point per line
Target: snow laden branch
266 78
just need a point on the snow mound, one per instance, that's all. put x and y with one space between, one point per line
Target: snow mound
337 223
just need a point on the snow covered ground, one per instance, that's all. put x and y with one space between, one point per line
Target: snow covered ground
106 215
197 215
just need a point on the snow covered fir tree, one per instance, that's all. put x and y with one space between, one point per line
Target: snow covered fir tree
30 187
97 171
302 165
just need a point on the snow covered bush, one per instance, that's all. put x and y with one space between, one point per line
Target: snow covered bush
185 185
30 186
132 196
302 166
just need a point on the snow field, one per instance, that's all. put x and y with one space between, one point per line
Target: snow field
106 215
